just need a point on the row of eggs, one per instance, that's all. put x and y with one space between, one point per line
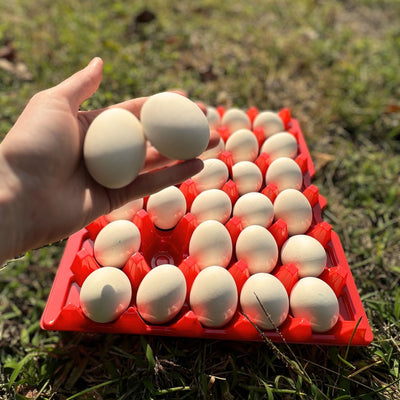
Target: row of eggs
107 293
235 119
211 244
167 206
255 245
283 171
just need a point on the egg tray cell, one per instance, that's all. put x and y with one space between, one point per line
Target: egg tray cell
63 311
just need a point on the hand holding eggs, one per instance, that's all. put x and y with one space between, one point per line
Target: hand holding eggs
114 148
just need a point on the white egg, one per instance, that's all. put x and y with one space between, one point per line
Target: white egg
166 207
213 117
214 297
211 244
243 145
105 294
214 175
257 247
306 252
175 125
294 209
281 144
270 122
264 301
285 173
127 211
214 151
212 204
314 300
116 243
254 208
114 148
161 294
234 119
247 177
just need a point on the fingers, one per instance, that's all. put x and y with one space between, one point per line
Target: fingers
83 84
214 139
133 105
202 106
156 160
152 182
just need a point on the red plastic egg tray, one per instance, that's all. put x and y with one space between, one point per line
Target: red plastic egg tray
63 312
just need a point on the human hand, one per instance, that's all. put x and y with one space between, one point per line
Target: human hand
46 192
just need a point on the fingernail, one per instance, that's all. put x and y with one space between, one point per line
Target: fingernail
94 60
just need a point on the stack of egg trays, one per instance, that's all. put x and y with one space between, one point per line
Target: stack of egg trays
63 312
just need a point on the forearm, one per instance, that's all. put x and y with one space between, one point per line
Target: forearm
9 229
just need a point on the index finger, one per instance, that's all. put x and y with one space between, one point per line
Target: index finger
132 105
156 160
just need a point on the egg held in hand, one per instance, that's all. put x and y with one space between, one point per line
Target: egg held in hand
114 148
175 126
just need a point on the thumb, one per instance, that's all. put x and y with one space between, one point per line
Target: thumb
83 84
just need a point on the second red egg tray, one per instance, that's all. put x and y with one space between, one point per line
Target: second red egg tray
63 312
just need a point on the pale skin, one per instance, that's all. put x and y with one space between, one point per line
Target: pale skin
46 193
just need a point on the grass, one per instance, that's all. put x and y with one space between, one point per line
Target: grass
335 65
